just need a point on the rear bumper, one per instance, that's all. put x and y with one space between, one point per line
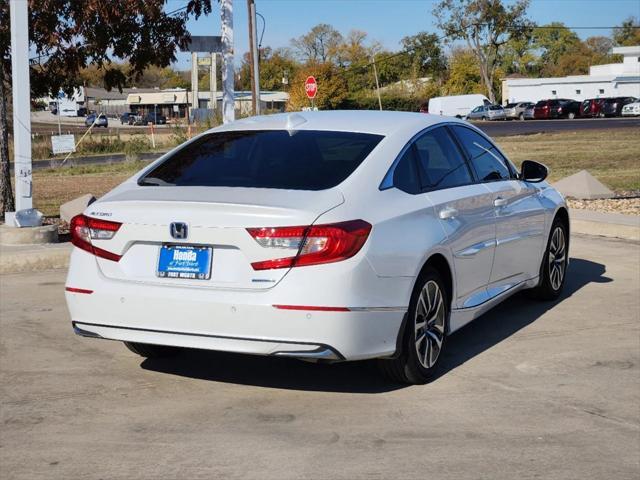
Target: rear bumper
244 321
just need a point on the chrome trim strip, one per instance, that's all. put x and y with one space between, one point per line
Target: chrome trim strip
474 249
319 354
378 309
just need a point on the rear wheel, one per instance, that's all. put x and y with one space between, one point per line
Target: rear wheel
522 116
424 334
571 115
554 266
484 119
152 351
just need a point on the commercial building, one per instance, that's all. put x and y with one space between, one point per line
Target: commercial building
611 80
175 103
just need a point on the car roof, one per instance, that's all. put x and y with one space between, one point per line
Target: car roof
362 121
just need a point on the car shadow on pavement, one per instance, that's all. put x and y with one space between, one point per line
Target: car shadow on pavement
514 314
363 377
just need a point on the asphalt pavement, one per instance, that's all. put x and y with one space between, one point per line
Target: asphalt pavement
529 390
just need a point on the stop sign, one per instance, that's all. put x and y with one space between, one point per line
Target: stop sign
311 87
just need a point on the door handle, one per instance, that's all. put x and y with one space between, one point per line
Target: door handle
448 212
500 202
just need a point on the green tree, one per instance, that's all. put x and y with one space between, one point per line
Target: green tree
486 26
319 45
628 33
424 55
67 36
463 74
553 41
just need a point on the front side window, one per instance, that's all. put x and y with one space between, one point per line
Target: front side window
440 162
487 161
281 159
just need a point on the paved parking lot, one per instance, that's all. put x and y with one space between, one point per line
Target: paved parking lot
529 390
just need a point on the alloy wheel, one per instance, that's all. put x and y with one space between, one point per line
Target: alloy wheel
557 258
429 324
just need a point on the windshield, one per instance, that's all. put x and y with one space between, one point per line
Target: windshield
511 105
296 160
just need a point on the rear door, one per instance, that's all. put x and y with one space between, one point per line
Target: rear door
518 211
465 211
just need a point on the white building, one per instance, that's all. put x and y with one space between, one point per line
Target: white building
612 80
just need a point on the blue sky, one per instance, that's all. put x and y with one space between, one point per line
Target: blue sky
387 21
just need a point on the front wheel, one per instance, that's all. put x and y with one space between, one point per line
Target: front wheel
152 351
424 334
571 115
554 263
522 116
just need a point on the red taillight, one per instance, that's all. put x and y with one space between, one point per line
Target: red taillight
315 244
83 229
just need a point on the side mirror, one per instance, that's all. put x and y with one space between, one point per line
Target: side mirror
533 172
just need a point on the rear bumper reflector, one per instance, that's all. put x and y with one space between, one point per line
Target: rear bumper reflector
78 290
312 308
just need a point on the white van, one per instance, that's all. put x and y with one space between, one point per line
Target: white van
456 105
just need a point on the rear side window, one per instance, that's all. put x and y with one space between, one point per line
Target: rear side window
487 161
281 159
440 163
405 175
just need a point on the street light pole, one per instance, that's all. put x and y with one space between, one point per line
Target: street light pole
19 17
375 72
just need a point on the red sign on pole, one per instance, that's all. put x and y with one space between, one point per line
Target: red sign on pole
311 87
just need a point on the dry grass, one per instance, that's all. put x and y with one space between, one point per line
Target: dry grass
612 156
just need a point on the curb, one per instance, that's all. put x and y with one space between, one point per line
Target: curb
33 258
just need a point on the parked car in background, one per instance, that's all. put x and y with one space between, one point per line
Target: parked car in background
528 114
155 118
327 236
458 106
631 109
612 107
591 107
100 121
514 111
127 118
556 108
487 112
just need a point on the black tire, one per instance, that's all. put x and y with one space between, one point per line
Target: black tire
152 351
571 116
484 119
407 367
549 288
522 116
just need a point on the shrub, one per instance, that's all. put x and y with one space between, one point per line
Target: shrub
136 145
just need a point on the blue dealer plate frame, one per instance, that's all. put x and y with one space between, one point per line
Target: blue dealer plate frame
189 262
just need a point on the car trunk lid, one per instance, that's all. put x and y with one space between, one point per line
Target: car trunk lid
215 218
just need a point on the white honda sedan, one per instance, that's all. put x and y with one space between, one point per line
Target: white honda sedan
323 236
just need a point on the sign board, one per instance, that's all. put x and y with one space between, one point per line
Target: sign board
205 43
63 144
311 87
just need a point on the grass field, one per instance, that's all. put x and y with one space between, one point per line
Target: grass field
612 156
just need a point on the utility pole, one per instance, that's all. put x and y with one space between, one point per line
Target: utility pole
19 18
194 81
251 54
254 57
228 100
375 72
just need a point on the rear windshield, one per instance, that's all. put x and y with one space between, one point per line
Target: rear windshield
541 103
296 160
495 107
511 105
